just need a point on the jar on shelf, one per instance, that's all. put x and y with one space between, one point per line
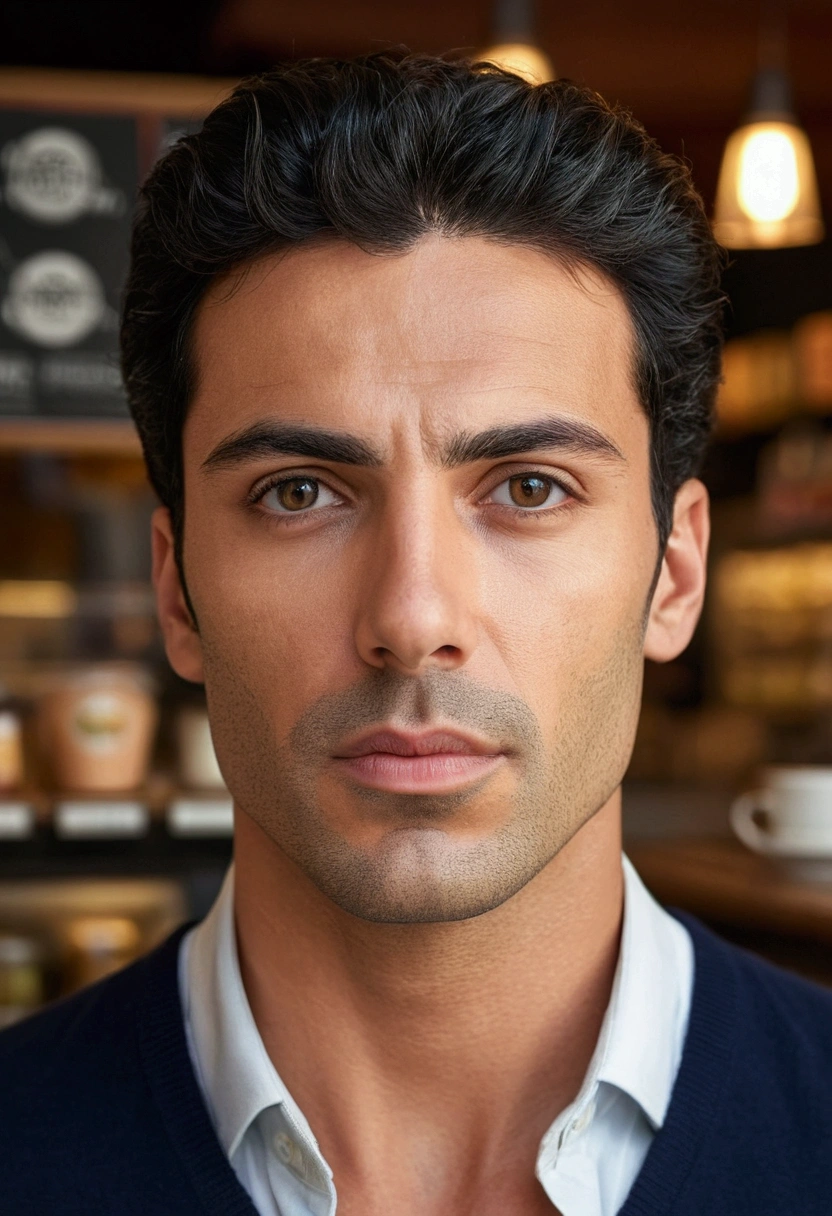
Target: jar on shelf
198 767
97 727
99 945
21 977
11 747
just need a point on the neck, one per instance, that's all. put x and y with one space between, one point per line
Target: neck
474 1034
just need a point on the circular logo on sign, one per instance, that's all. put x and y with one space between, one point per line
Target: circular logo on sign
54 299
52 175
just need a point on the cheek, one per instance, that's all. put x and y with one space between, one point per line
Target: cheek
569 619
559 601
281 635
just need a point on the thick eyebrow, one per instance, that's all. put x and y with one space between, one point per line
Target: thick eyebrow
550 432
282 439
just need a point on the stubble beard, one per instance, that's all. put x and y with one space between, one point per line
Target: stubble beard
421 870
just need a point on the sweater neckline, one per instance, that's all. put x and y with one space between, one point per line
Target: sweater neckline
700 1084
167 1066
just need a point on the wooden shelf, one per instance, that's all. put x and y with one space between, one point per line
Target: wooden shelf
78 436
126 92
721 881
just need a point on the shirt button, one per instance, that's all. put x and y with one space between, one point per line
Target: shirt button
302 1165
287 1151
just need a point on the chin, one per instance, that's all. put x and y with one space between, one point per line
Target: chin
423 876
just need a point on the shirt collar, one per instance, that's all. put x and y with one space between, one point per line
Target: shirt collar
641 1042
638 1050
235 1072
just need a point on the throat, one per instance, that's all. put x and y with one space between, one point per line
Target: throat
433 1058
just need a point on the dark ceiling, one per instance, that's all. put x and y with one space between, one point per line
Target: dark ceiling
659 56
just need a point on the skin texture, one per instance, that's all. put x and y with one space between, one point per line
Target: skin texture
428 970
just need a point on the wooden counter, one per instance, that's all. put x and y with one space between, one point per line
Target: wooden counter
781 909
720 880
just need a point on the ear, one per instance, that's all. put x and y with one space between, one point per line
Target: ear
182 643
680 590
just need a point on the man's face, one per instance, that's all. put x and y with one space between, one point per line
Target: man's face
419 545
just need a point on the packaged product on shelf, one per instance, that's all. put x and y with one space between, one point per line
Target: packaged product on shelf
100 945
198 767
813 342
11 748
97 727
21 977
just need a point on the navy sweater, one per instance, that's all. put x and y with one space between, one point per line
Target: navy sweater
101 1115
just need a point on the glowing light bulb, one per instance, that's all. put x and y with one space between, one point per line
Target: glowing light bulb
767 196
769 184
522 59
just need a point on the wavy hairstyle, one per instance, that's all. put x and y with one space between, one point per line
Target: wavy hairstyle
387 148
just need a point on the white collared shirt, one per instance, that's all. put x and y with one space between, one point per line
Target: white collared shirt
589 1157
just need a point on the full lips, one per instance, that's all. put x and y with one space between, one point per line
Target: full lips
501 725
434 762
439 773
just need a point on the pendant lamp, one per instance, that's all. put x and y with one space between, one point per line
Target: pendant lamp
767 196
514 48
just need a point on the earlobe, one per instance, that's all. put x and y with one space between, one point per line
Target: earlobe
182 642
680 589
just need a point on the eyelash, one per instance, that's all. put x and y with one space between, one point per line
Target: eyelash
572 495
261 489
258 493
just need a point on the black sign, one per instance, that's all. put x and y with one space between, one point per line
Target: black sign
67 189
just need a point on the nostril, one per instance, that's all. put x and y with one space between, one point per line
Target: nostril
443 655
448 652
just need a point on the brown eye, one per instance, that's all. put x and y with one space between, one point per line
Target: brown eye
296 494
528 490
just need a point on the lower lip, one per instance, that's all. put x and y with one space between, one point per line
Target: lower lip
441 773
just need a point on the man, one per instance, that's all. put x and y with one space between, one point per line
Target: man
423 360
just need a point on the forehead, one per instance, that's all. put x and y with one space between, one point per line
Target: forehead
455 332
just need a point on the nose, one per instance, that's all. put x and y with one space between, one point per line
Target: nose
418 598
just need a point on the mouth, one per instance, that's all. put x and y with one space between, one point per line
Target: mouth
427 762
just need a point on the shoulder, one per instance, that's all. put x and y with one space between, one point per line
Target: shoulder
771 1033
79 1118
94 1029
772 1002
785 1041
749 1125
55 1041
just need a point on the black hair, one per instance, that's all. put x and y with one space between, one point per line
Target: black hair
387 148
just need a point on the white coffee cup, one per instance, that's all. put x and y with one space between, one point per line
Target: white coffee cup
790 815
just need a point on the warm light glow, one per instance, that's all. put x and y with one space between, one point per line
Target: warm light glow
34 598
523 59
768 186
767 195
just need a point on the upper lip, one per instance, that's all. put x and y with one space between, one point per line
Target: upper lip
415 743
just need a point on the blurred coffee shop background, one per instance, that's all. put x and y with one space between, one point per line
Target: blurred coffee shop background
114 822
